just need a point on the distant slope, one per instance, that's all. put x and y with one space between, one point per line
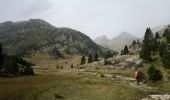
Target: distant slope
25 37
160 29
116 43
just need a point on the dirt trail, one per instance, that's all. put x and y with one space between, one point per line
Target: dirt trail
130 80
158 95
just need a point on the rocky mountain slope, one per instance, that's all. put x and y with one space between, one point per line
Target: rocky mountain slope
116 43
160 29
26 37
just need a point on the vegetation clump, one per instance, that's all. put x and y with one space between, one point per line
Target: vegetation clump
83 60
90 59
14 65
154 74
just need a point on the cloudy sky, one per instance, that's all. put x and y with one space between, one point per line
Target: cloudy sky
92 17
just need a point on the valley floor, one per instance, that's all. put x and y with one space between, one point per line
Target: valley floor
67 86
89 82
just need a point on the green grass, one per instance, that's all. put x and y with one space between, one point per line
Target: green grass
164 84
84 87
67 86
25 87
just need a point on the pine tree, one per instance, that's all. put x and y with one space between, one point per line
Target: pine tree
165 33
1 56
147 45
90 59
83 60
122 52
166 58
161 49
156 44
134 43
157 35
96 57
108 54
126 51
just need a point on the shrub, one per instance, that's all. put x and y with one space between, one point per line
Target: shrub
154 74
28 70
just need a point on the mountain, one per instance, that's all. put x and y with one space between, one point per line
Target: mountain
160 29
103 40
116 43
26 37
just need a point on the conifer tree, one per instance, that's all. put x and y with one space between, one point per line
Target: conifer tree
83 60
166 58
126 51
154 74
90 59
1 56
96 57
134 43
156 43
157 35
147 45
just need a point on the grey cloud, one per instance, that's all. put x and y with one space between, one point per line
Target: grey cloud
21 9
93 17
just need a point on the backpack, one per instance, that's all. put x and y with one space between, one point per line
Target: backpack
140 74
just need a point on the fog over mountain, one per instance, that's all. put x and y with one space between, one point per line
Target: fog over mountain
116 43
92 17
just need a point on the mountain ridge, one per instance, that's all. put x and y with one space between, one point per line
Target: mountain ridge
38 35
118 42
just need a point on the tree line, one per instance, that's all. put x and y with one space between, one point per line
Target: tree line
156 44
11 65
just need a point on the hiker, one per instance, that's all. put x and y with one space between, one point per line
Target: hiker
137 75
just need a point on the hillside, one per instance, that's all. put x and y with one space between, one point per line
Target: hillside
26 37
116 43
160 29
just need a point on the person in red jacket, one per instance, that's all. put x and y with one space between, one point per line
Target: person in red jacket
137 76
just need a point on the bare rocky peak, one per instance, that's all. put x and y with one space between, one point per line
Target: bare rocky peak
116 43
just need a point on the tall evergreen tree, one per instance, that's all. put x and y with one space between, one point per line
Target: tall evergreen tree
90 59
161 49
96 57
83 60
165 33
1 56
147 45
157 35
156 43
166 58
126 51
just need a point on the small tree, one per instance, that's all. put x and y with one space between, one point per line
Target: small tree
28 70
154 74
90 59
72 66
108 54
83 60
134 43
96 57
126 51
122 52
